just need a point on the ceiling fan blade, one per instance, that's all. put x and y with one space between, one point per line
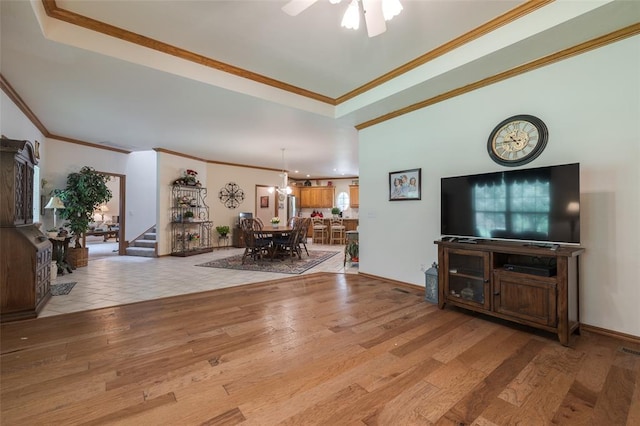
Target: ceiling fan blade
373 17
294 7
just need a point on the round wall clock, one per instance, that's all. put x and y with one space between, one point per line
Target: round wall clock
517 140
231 195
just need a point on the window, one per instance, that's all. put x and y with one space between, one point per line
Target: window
36 194
343 201
522 207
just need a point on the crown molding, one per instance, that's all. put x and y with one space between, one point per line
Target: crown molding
579 49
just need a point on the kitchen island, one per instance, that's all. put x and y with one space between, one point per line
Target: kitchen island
350 225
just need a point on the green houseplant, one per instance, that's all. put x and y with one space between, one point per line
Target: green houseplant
335 211
85 191
353 250
222 230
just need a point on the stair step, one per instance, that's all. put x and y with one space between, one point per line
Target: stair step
143 243
149 236
141 251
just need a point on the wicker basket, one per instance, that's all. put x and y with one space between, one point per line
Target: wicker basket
78 257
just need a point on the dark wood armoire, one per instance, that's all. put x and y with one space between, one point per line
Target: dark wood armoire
25 252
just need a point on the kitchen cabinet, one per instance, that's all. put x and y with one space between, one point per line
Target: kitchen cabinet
317 197
535 286
295 191
354 195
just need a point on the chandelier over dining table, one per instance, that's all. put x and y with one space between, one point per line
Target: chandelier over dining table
284 189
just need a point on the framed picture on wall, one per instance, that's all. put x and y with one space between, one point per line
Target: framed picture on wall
264 201
405 185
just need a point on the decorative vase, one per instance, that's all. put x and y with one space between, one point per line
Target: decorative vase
275 225
467 293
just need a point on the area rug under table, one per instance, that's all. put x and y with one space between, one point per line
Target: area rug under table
285 266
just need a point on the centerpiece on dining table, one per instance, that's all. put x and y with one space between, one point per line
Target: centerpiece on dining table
275 221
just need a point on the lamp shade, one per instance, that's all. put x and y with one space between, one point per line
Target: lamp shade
54 203
103 208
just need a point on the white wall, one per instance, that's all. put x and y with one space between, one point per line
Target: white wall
59 158
142 193
246 178
169 168
591 105
15 125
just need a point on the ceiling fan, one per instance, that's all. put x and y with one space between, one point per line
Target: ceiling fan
376 12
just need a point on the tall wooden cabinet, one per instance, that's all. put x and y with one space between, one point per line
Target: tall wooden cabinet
25 252
354 195
531 285
191 229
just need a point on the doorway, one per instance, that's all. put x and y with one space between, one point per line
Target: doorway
266 204
107 239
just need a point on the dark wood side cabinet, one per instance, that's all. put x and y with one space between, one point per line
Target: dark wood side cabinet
25 252
527 284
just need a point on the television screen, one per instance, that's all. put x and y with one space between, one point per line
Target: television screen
540 204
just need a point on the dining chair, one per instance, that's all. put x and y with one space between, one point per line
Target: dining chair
257 245
319 230
336 230
302 236
288 245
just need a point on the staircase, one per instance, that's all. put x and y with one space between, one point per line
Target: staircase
144 245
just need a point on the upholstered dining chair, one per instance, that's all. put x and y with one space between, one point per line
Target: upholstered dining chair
336 230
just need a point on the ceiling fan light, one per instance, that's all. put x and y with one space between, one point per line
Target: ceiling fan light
334 1
351 19
391 8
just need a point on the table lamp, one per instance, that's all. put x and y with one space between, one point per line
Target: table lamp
54 203
102 209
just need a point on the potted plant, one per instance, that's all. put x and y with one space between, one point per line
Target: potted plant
52 232
188 216
353 250
275 221
85 191
222 230
335 211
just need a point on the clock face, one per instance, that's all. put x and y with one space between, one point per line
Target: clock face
517 140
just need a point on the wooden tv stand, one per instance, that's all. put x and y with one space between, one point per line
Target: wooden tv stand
529 290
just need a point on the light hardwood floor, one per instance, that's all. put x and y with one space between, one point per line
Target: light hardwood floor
325 348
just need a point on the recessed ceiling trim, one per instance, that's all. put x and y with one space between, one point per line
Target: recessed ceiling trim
13 95
22 106
596 43
53 11
450 46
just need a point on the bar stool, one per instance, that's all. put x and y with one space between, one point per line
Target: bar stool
319 230
337 231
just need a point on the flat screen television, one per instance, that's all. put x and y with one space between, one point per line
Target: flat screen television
537 205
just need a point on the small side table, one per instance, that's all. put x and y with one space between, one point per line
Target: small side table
60 247
223 241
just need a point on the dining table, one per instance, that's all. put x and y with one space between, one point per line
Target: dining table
274 232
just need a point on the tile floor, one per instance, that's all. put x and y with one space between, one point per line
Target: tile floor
112 280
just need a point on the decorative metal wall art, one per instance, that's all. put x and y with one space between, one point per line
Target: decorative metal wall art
231 195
